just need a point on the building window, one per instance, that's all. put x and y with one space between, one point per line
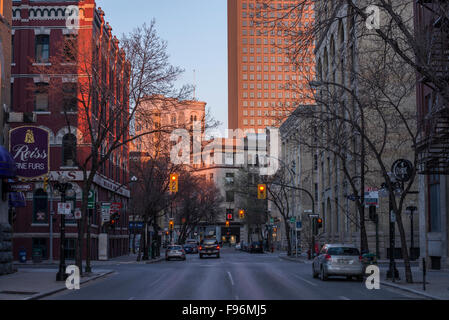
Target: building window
41 97
70 48
230 178
41 243
40 206
42 48
434 204
70 100
69 150
229 196
69 248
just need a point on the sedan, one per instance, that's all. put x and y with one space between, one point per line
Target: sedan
256 246
338 260
209 247
190 248
175 252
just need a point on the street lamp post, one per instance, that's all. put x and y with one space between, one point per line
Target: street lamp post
63 187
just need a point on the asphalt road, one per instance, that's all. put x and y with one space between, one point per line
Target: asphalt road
235 276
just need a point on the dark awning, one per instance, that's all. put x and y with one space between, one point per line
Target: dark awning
7 164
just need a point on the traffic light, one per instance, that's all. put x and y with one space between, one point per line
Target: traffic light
262 191
171 225
229 214
45 184
114 220
319 222
174 177
227 224
242 214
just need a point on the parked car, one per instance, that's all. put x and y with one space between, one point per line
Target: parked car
243 246
190 248
256 246
338 260
238 246
175 252
209 247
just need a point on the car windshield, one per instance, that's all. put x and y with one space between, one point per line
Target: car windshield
189 245
175 248
343 251
209 241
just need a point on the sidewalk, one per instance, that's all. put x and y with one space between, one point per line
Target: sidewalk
127 259
36 283
437 282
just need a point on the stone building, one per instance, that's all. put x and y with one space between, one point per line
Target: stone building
6 164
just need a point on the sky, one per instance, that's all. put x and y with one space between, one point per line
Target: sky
196 34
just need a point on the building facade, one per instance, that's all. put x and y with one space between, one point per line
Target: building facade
5 164
40 30
263 83
433 116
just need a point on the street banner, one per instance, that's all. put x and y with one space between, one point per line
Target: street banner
30 149
115 207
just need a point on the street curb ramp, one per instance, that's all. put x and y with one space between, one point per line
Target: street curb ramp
392 285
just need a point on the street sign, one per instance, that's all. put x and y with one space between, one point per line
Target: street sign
271 220
402 170
372 199
105 211
313 215
298 225
65 208
77 214
393 217
91 200
293 219
115 207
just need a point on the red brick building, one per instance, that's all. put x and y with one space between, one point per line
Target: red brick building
40 29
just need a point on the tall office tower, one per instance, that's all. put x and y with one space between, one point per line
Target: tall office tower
264 84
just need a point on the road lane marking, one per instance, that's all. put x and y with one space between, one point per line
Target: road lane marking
344 298
230 278
307 281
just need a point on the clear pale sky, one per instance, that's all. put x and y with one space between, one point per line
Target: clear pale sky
196 32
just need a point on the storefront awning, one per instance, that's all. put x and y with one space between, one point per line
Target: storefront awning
7 164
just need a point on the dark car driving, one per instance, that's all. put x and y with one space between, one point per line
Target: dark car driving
256 246
190 248
209 247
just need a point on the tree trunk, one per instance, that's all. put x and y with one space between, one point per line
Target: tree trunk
363 237
287 231
405 255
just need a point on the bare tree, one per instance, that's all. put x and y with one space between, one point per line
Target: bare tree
107 102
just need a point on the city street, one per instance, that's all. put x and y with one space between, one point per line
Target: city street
235 276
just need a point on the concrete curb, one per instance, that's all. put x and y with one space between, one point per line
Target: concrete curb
396 286
291 259
54 291
154 261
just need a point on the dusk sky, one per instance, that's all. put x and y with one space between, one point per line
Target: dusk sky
196 32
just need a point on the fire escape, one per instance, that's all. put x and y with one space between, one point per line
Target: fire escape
433 148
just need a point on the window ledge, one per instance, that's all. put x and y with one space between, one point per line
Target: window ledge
70 112
42 112
68 63
13 64
39 224
68 168
35 64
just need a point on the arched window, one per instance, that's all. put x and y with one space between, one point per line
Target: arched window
69 150
40 206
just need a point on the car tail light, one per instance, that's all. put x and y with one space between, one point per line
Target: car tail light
328 257
200 248
218 247
360 258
